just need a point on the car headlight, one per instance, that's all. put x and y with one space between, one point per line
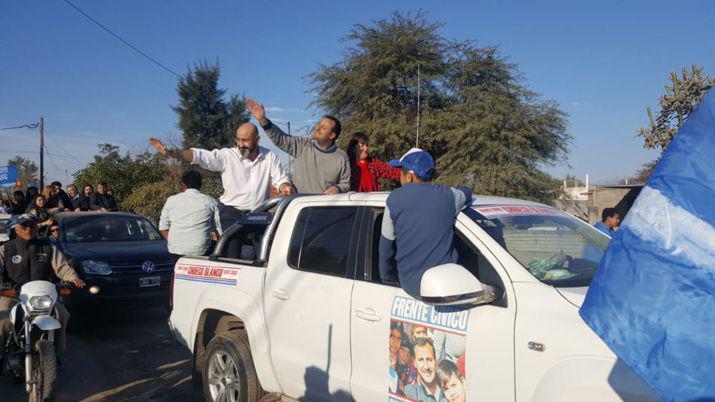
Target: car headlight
96 267
40 303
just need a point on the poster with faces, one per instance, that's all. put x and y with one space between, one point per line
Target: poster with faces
427 352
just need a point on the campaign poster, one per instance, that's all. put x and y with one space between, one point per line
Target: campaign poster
427 352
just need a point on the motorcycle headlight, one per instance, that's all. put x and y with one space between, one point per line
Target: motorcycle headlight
40 303
96 267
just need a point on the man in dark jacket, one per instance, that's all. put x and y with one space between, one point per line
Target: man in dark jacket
59 200
106 202
74 196
18 203
28 258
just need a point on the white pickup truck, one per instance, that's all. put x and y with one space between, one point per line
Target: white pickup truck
291 304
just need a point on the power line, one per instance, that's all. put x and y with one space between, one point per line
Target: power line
69 154
29 125
52 160
99 24
68 159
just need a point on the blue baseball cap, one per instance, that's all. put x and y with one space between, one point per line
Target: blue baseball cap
418 161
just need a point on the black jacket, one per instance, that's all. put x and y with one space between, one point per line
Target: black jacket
61 200
27 261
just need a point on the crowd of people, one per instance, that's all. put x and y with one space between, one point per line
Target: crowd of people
53 200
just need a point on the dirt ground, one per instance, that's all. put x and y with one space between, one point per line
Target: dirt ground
121 356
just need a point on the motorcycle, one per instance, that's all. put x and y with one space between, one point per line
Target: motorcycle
29 352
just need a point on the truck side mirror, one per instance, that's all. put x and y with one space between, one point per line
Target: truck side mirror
452 284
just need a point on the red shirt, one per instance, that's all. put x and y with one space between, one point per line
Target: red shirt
365 175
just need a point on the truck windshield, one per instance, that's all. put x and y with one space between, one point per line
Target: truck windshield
555 247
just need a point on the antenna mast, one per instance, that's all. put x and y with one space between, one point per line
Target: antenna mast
417 141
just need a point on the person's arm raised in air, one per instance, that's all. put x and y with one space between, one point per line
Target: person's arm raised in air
209 160
289 144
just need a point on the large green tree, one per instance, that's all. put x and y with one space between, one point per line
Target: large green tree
122 172
206 118
27 174
27 170
484 127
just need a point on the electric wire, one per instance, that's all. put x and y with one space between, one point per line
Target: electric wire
99 24
29 125
69 154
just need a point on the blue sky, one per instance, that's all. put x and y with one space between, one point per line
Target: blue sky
603 62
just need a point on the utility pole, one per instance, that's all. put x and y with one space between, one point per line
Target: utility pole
42 153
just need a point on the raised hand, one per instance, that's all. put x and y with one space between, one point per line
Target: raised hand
257 110
158 145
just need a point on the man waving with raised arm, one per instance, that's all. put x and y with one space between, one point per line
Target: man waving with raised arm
247 172
320 167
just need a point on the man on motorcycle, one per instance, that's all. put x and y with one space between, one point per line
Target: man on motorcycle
29 258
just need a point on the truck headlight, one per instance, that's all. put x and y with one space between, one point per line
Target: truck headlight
96 267
40 303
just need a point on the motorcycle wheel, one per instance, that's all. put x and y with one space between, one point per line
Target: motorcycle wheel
44 371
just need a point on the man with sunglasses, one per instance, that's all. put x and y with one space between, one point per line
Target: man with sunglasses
28 258
54 232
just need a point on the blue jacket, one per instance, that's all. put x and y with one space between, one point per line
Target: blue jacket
603 228
418 231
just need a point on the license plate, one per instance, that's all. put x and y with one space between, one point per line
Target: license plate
149 281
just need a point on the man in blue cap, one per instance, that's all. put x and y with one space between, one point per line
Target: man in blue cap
418 223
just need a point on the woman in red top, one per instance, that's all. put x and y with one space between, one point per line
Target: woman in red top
365 170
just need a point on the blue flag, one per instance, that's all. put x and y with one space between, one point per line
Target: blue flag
653 298
8 175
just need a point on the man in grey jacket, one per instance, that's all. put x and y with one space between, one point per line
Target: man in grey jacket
320 167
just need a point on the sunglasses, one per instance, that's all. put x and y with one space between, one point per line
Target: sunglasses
55 230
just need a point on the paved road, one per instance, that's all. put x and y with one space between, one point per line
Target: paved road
122 356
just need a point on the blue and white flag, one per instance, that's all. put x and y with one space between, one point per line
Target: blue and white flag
8 175
653 298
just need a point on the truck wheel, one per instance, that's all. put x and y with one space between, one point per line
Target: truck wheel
228 372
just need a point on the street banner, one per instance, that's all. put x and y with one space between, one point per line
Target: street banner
653 298
8 175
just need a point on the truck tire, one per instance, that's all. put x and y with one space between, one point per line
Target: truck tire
44 372
228 373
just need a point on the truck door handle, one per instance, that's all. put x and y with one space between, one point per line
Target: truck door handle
280 294
367 314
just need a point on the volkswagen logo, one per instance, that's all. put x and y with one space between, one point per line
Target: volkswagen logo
148 266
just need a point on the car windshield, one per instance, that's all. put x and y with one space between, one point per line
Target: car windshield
555 247
109 228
